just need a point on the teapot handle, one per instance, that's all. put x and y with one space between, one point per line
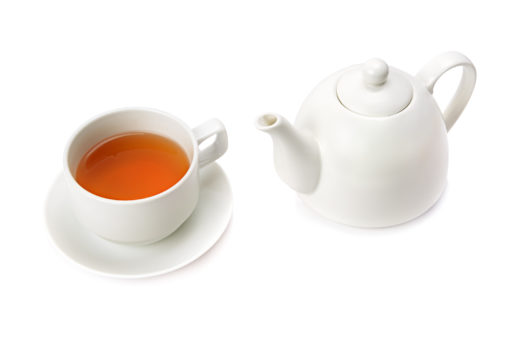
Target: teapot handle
434 69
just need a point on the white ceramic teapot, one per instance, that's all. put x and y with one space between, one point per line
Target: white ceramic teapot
369 147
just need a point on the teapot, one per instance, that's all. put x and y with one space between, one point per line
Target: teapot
369 146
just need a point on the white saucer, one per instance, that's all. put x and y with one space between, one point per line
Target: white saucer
198 234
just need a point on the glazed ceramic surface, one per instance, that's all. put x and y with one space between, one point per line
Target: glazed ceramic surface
149 219
369 146
193 238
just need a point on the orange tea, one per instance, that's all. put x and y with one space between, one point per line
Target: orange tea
131 166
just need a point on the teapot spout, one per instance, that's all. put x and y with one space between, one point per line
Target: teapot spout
296 154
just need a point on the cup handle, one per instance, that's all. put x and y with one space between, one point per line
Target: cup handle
434 69
212 127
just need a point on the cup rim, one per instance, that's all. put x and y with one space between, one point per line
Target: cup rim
193 162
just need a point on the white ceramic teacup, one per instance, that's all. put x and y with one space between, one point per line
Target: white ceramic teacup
152 218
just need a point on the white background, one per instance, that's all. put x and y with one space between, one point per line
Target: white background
280 273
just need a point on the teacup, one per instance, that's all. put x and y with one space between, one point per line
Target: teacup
149 219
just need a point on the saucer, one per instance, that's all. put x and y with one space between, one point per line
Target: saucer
194 237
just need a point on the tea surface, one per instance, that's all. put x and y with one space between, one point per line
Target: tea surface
131 166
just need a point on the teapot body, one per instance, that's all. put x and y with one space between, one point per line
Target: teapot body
369 146
375 171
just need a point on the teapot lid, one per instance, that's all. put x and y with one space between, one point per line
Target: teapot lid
374 89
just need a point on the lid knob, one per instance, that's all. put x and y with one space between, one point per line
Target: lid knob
375 72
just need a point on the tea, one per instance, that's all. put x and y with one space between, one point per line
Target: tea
131 166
